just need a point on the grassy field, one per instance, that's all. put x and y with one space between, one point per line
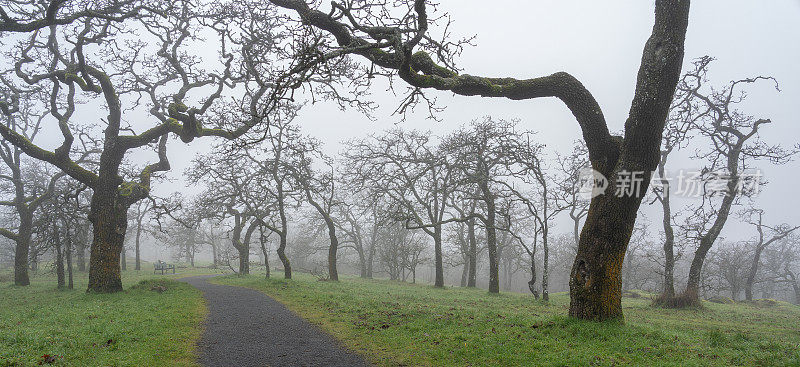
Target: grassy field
137 327
401 324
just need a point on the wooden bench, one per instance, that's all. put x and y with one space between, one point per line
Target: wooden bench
163 267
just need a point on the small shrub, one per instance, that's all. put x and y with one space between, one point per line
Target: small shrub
679 301
761 303
155 285
721 300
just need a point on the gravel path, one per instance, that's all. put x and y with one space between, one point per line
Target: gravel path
247 328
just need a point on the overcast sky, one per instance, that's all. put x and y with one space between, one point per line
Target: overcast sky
601 44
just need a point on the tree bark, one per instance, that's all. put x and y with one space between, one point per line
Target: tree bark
437 250
333 247
59 257
263 242
532 282
80 251
244 261
109 219
22 248
70 280
287 267
707 240
669 236
491 241
473 252
138 265
123 258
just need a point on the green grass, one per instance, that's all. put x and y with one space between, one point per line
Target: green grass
137 327
400 324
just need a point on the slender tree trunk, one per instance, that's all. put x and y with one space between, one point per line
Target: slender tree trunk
138 265
437 250
81 254
751 276
70 282
59 258
706 241
464 272
287 267
491 244
109 221
265 253
545 264
123 257
473 253
333 273
362 260
576 233
214 259
370 261
532 282
669 237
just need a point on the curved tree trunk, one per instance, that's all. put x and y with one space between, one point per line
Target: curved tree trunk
333 247
695 270
287 267
751 276
532 282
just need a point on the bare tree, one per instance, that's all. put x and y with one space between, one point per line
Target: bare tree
80 51
568 191
141 209
778 232
29 185
684 114
389 43
320 192
466 206
735 143
404 167
235 192
359 219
